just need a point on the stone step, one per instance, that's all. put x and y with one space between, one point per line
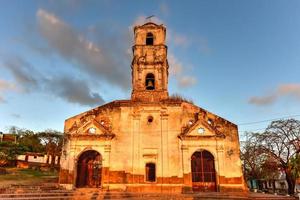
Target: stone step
273 198
21 191
41 195
148 196
33 186
102 195
35 194
135 197
41 198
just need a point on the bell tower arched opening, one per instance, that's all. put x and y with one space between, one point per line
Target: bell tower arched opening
150 82
149 39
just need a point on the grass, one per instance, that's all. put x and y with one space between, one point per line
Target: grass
25 176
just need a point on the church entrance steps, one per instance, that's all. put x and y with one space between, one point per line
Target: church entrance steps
104 195
260 196
21 189
33 196
98 194
31 192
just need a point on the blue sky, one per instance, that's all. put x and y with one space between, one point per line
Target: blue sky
237 59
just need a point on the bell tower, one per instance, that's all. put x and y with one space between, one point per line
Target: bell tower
149 65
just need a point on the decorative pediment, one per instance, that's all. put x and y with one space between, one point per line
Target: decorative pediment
92 129
200 129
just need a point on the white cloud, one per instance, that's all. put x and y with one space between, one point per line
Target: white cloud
87 56
6 86
66 87
2 100
283 90
175 66
176 70
73 90
263 100
292 90
180 40
177 39
23 72
187 81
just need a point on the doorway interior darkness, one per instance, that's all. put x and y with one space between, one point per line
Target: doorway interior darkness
150 172
203 171
89 168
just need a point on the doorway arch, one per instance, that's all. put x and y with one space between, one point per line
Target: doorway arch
89 169
203 171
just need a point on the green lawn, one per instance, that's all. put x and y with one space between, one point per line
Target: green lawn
26 176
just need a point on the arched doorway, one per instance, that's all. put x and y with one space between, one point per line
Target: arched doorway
89 168
203 171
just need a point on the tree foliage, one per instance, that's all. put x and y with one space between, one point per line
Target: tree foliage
30 140
52 141
48 142
9 151
256 163
278 148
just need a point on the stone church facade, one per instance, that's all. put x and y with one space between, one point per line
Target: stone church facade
152 142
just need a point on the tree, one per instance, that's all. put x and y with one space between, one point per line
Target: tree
281 141
27 138
30 140
256 163
3 159
48 141
9 152
52 141
295 166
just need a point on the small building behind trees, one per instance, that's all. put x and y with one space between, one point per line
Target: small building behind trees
37 160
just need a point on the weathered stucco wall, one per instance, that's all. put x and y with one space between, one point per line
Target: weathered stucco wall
151 128
162 141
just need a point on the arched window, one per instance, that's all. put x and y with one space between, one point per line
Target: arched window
150 82
150 172
149 39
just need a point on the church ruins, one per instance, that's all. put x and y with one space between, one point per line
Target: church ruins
151 142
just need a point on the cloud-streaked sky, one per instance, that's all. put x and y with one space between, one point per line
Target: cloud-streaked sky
237 59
